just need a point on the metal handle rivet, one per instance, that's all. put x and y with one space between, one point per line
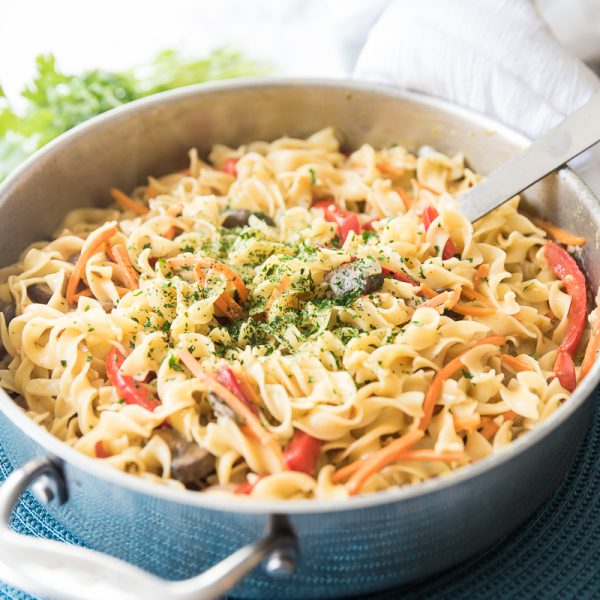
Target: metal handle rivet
44 489
281 563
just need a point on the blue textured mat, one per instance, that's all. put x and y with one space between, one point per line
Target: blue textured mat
556 554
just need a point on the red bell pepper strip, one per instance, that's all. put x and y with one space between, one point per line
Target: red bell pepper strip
346 220
564 369
566 269
230 166
246 487
429 215
568 272
101 450
127 388
226 377
398 276
301 452
368 225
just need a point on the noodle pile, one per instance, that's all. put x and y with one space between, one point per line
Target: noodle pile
246 336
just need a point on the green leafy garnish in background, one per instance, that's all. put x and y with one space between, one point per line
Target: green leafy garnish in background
55 101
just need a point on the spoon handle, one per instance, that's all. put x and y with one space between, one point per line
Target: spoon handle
570 137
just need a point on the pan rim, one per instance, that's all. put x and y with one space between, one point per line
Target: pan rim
62 452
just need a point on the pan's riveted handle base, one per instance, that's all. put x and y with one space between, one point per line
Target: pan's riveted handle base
51 568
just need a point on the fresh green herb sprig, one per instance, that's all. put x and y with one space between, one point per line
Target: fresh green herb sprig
55 101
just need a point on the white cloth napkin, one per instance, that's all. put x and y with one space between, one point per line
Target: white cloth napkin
495 56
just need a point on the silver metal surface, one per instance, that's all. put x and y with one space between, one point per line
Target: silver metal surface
282 562
52 567
46 489
572 136
19 480
349 547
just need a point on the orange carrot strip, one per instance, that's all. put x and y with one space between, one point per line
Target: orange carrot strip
404 196
460 307
476 296
591 352
430 455
427 291
85 255
211 263
151 191
283 285
121 257
436 300
247 387
428 188
560 235
449 297
225 303
229 307
467 423
345 472
251 423
229 273
170 234
483 271
490 427
435 389
593 346
424 187
109 253
475 311
389 170
182 261
380 459
128 203
515 364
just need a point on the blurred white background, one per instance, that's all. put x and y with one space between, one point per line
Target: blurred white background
299 37
291 34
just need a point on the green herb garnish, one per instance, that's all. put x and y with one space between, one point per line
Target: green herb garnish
174 363
55 101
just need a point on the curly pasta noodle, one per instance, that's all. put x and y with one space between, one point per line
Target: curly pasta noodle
232 336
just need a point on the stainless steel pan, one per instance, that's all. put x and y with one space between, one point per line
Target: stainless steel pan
338 548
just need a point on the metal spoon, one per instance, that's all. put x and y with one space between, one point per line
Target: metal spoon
567 140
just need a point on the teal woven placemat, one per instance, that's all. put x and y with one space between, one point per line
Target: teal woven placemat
556 554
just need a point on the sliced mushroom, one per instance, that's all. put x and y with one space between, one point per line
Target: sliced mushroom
453 315
357 278
19 400
40 293
221 409
10 312
239 217
190 463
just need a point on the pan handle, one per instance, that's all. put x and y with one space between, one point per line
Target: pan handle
59 570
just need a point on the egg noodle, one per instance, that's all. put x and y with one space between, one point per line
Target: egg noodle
299 322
